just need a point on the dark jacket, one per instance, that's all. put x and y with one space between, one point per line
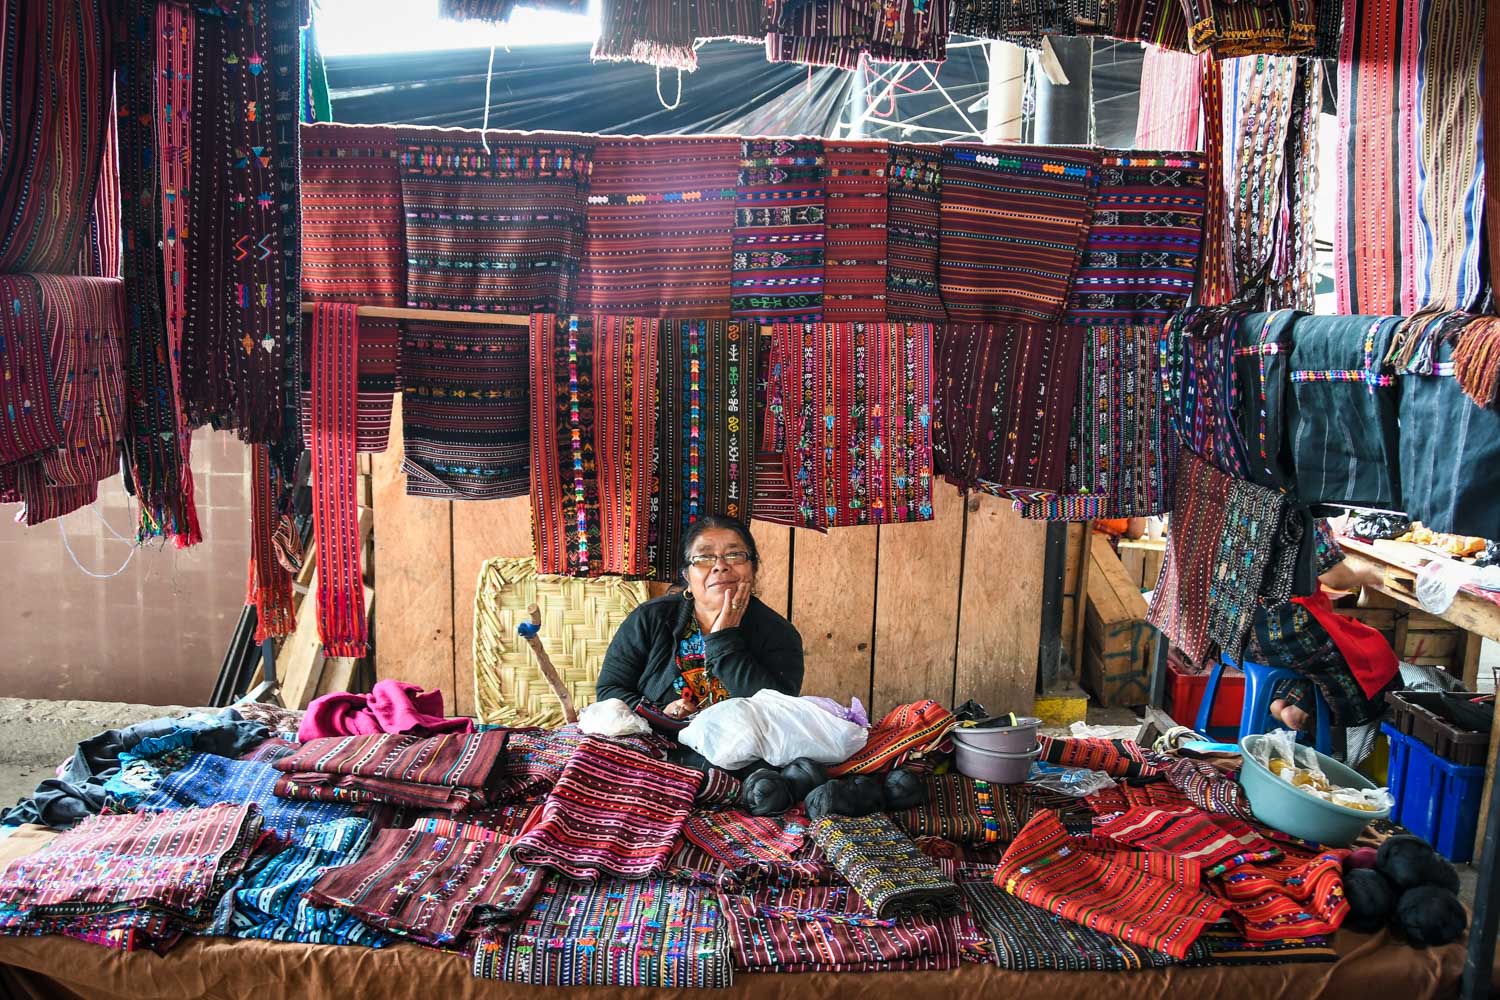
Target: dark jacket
765 651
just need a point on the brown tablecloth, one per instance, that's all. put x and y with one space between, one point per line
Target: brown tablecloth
54 968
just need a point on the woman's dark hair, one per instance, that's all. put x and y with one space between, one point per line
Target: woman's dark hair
712 522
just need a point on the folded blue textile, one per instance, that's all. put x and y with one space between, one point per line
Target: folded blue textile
208 778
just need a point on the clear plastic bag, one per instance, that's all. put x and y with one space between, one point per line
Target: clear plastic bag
1298 766
1075 781
772 727
612 717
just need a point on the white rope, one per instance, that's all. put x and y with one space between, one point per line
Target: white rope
489 77
68 545
663 100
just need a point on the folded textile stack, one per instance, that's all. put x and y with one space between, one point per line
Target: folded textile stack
434 888
205 779
613 812
830 929
756 849
456 772
270 904
612 933
884 866
130 881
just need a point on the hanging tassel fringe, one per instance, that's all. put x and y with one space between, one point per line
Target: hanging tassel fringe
1476 361
270 587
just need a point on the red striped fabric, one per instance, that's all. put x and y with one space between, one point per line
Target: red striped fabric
612 812
905 730
28 422
1219 843
353 223
855 243
1146 898
270 585
379 369
660 224
456 772
1298 895
342 625
914 185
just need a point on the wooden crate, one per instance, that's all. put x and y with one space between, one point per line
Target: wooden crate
1142 559
1117 640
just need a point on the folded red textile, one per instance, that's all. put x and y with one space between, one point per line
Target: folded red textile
1146 898
905 731
391 707
1219 843
1298 895
456 772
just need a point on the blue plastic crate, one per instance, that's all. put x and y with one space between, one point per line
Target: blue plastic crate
1436 799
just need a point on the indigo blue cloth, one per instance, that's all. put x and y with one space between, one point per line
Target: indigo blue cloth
208 778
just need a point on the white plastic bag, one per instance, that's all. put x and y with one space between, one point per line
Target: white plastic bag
772 727
612 717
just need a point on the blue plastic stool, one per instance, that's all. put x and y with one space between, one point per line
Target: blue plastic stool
1260 687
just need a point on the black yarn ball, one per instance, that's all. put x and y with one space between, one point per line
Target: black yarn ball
903 790
766 793
804 774
1428 915
867 795
820 801
856 796
1410 861
1371 898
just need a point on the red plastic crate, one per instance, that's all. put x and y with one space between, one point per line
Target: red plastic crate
1185 694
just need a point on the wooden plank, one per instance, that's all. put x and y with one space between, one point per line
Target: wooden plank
833 606
299 664
1489 779
916 605
1468 663
1000 608
482 529
339 671
414 550
1080 597
773 581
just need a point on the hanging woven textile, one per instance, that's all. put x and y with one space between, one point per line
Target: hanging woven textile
914 187
1161 23
270 586
1343 427
664 33
1003 403
858 401
500 10
839 32
661 215
1171 112
1489 84
705 429
464 405
1014 220
854 264
496 227
1199 387
1147 898
334 426
1240 28
28 418
242 313
1262 359
378 366
1449 453
56 73
84 329
593 438
159 474
1257 530
779 232
353 223
1027 22
1180 606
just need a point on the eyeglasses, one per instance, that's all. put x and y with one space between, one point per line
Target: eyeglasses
706 560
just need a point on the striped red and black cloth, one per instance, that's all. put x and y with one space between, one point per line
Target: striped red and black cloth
905 731
1298 895
1004 398
1145 898
84 331
494 227
914 188
456 771
969 812
130 881
828 929
379 368
661 217
612 812
28 419
1182 603
593 439
779 231
857 401
664 33
434 888
757 849
706 432
353 222
464 407
839 32
342 623
1014 221
854 250
57 70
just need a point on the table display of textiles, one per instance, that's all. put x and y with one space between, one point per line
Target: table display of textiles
138 880
205 779
454 772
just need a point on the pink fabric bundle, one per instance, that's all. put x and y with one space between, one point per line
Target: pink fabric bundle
391 707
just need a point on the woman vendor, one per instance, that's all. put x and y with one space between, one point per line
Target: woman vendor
1350 663
714 640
